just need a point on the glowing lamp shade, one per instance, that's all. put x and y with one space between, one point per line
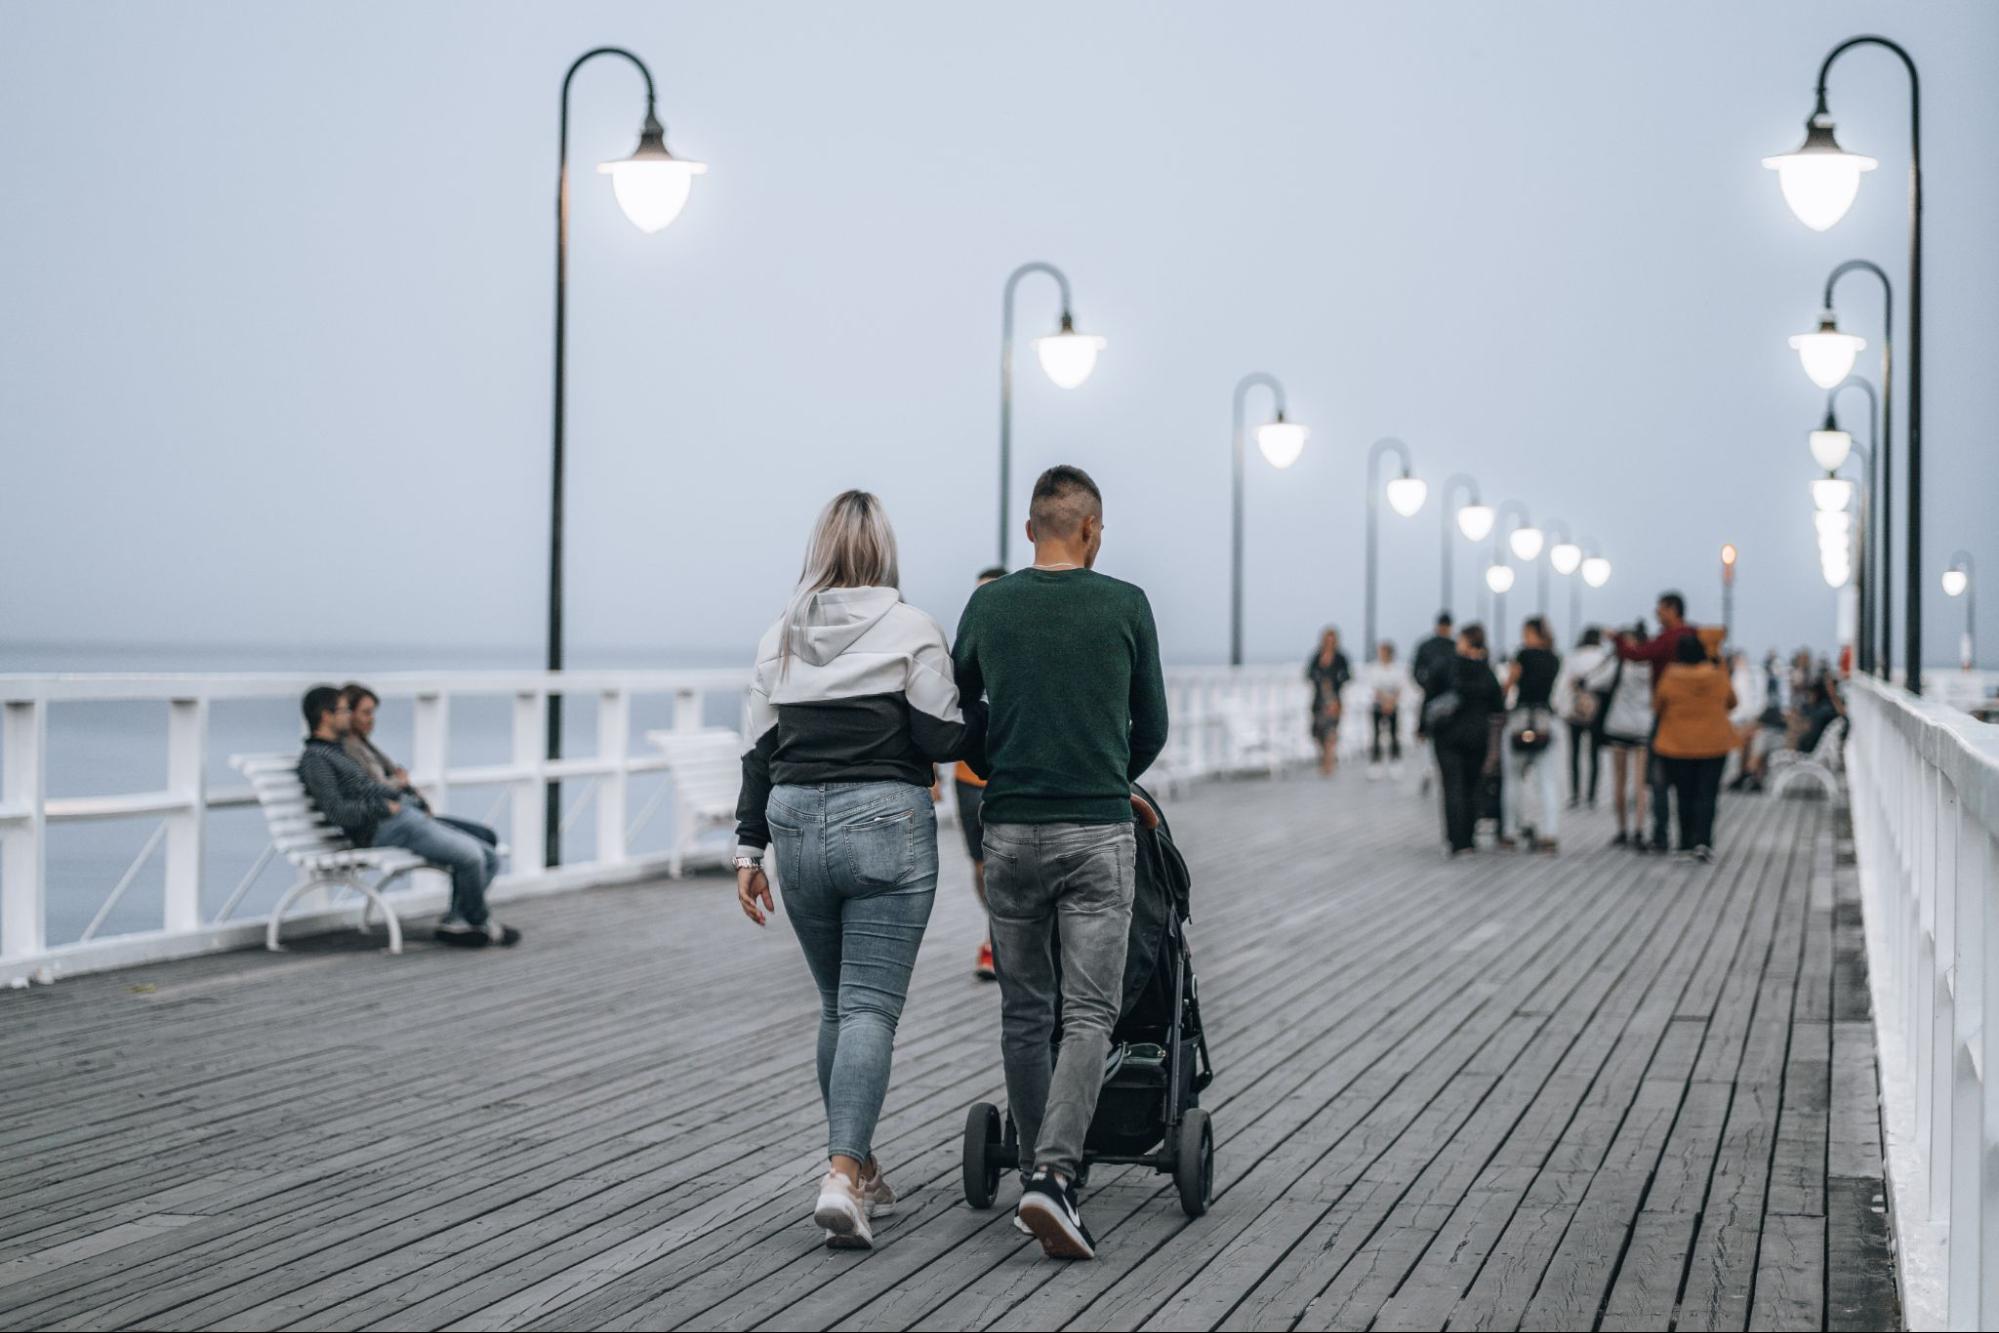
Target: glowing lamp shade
1831 494
1836 576
1827 353
1068 357
651 186
1830 448
1596 571
1499 578
1406 495
1526 542
1834 528
1955 581
1566 557
1820 179
1475 522
1281 442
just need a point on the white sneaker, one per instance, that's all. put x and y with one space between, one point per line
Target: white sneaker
843 1214
876 1197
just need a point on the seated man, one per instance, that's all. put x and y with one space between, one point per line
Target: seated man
360 746
375 814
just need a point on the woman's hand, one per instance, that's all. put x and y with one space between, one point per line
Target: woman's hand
753 885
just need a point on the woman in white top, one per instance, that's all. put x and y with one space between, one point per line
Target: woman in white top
1582 709
1627 730
1385 681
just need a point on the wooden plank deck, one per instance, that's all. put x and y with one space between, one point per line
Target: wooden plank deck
1585 1091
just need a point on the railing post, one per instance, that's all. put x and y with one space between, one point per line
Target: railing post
187 779
430 746
1978 867
530 799
614 733
23 847
1940 840
1973 930
687 710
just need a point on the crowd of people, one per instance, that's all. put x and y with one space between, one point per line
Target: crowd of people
1663 702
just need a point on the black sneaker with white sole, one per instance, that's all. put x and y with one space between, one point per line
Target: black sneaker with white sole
462 935
1048 1208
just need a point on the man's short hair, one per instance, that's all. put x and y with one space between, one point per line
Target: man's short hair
1473 634
991 572
354 692
318 702
1063 497
1677 602
1444 619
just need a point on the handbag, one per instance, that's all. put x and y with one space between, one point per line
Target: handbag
1531 730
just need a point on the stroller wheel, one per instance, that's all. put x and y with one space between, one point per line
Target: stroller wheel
982 1144
1194 1162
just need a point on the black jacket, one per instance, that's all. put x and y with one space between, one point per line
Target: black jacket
344 792
1468 730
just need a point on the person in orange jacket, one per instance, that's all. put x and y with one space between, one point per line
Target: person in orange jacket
1693 738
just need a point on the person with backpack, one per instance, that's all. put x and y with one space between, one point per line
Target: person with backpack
1531 741
1460 717
1627 730
1581 709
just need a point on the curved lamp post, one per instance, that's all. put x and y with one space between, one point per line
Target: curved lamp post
1066 356
1820 181
651 187
1281 442
1406 494
1473 519
1830 447
1499 579
1563 558
1957 583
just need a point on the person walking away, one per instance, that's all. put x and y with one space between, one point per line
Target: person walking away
1328 673
359 743
1657 652
852 701
1461 718
1532 749
971 791
378 814
1746 717
1069 662
1694 736
1582 713
1431 668
1385 681
1627 731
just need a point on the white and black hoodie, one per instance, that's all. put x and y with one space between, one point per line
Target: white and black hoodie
866 696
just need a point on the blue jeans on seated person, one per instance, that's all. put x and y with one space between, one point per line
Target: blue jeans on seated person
857 868
471 862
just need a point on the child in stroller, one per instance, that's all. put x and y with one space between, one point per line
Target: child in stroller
1149 1111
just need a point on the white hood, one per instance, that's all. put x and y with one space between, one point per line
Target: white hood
834 619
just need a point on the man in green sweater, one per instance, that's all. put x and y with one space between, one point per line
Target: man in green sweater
1069 661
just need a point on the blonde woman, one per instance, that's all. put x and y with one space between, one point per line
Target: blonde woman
851 702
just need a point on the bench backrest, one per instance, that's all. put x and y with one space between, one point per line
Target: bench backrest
705 766
297 828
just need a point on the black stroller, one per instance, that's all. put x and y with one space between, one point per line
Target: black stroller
1149 1111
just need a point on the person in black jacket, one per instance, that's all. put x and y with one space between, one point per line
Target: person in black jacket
1462 711
1434 660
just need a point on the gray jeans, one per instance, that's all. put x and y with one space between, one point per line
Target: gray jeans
857 865
1072 884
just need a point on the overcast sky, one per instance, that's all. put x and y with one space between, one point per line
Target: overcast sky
275 361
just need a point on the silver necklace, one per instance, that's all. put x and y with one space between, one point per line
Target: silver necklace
1059 564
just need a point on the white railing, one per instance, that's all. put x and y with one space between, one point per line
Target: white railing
1924 783
1251 719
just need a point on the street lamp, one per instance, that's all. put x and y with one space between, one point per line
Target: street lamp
1474 520
651 187
1280 442
1831 446
1499 578
1405 496
1820 181
1067 357
1728 556
1957 583
1564 567
1596 571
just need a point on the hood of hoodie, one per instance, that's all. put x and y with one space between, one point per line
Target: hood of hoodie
834 619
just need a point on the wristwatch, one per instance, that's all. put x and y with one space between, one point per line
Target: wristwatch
748 863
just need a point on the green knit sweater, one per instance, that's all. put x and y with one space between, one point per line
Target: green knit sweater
1070 662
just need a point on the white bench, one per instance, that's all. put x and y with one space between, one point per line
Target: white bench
706 768
1823 766
321 853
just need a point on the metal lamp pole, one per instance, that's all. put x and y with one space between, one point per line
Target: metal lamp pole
1819 143
1242 388
1459 483
1546 562
1874 547
1387 444
1728 558
1065 329
651 153
1500 538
